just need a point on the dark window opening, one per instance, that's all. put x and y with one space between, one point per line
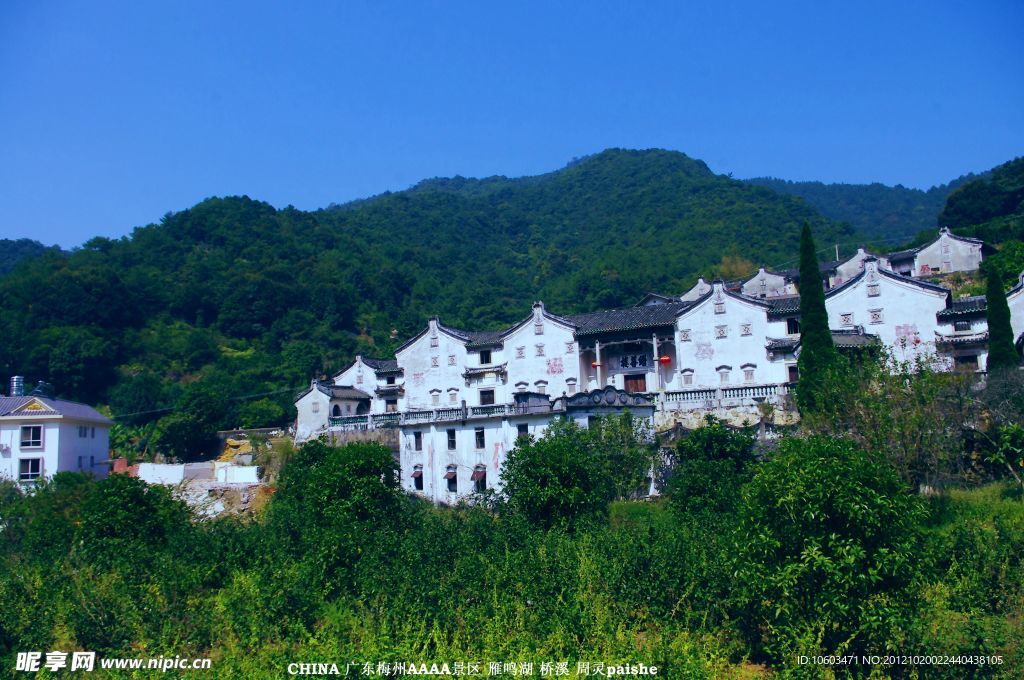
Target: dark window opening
452 476
391 380
30 469
793 326
417 477
962 326
794 374
479 432
391 405
451 440
485 356
592 420
486 397
479 479
522 430
966 363
336 410
417 441
31 436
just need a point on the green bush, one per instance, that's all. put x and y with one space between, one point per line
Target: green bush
827 552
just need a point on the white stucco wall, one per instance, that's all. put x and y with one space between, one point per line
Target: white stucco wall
312 412
427 367
907 323
947 254
1015 300
700 349
767 284
558 364
849 268
63 450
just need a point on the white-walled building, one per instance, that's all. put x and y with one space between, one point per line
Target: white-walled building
900 311
459 399
41 436
765 284
1015 300
947 253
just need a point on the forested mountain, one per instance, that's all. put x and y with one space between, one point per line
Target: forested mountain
877 211
14 251
221 310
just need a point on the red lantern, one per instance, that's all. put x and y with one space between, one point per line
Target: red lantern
594 364
666 359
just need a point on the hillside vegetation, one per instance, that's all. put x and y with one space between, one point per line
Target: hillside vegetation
880 213
232 298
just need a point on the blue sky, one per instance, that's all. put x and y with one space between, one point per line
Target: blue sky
112 114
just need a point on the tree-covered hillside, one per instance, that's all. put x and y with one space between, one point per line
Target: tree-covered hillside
876 211
232 298
13 252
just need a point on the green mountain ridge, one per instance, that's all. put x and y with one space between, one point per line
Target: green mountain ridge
222 309
887 214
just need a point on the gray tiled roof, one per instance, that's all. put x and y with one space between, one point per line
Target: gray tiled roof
67 409
381 364
783 305
970 306
902 254
628 319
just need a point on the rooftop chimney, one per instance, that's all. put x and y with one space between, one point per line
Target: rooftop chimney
17 386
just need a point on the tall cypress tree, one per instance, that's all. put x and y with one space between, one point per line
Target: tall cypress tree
1001 353
817 352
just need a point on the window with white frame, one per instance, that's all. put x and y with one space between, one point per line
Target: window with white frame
541 386
570 386
30 469
846 318
721 332
748 372
719 308
688 377
746 329
453 396
684 335
875 316
874 290
723 376
538 328
435 397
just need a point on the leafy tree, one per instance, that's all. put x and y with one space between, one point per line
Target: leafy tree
628 449
711 464
1001 352
914 414
828 551
560 479
817 352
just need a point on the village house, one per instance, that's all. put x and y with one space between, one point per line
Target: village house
459 400
947 253
41 436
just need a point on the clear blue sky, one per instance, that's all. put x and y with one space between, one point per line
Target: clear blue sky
113 113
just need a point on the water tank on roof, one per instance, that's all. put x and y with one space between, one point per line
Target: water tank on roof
17 385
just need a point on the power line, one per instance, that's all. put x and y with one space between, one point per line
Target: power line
173 408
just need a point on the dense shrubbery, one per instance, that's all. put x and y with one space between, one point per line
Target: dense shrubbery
818 548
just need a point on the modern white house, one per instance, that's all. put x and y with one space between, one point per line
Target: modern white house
1015 300
41 436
